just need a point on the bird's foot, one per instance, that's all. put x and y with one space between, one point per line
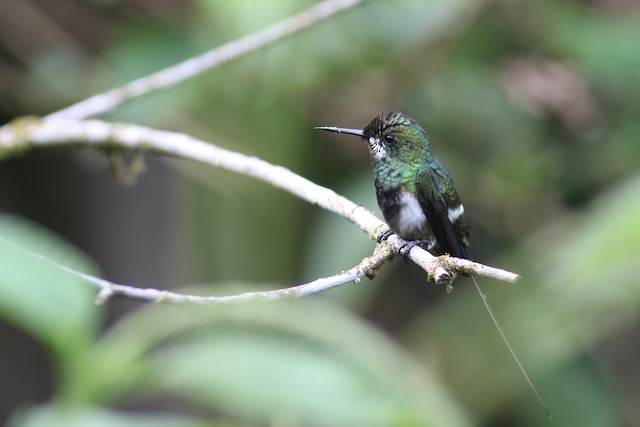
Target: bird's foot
384 235
406 248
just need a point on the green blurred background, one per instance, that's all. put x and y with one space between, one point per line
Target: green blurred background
533 106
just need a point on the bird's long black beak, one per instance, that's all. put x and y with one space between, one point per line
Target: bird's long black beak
357 132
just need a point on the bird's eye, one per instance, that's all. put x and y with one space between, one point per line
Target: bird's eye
389 139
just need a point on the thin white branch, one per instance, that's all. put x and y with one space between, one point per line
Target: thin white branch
107 101
108 289
61 128
30 133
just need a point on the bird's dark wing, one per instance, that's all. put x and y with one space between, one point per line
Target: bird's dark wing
440 201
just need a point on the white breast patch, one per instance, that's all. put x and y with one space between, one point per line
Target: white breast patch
411 217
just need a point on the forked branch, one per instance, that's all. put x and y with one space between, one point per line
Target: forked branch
32 133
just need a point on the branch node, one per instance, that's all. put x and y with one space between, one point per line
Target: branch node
104 295
164 296
15 138
441 273
441 276
376 232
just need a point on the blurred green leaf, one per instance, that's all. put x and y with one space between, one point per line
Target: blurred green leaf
93 417
49 303
604 43
302 360
598 402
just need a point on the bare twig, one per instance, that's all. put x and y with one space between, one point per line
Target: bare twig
30 133
109 289
107 101
62 128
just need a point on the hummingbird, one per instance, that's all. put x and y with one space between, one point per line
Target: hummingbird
418 198
415 193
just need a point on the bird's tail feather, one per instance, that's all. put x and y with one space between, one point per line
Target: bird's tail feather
510 347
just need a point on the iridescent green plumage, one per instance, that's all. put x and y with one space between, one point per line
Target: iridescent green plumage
415 192
417 195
